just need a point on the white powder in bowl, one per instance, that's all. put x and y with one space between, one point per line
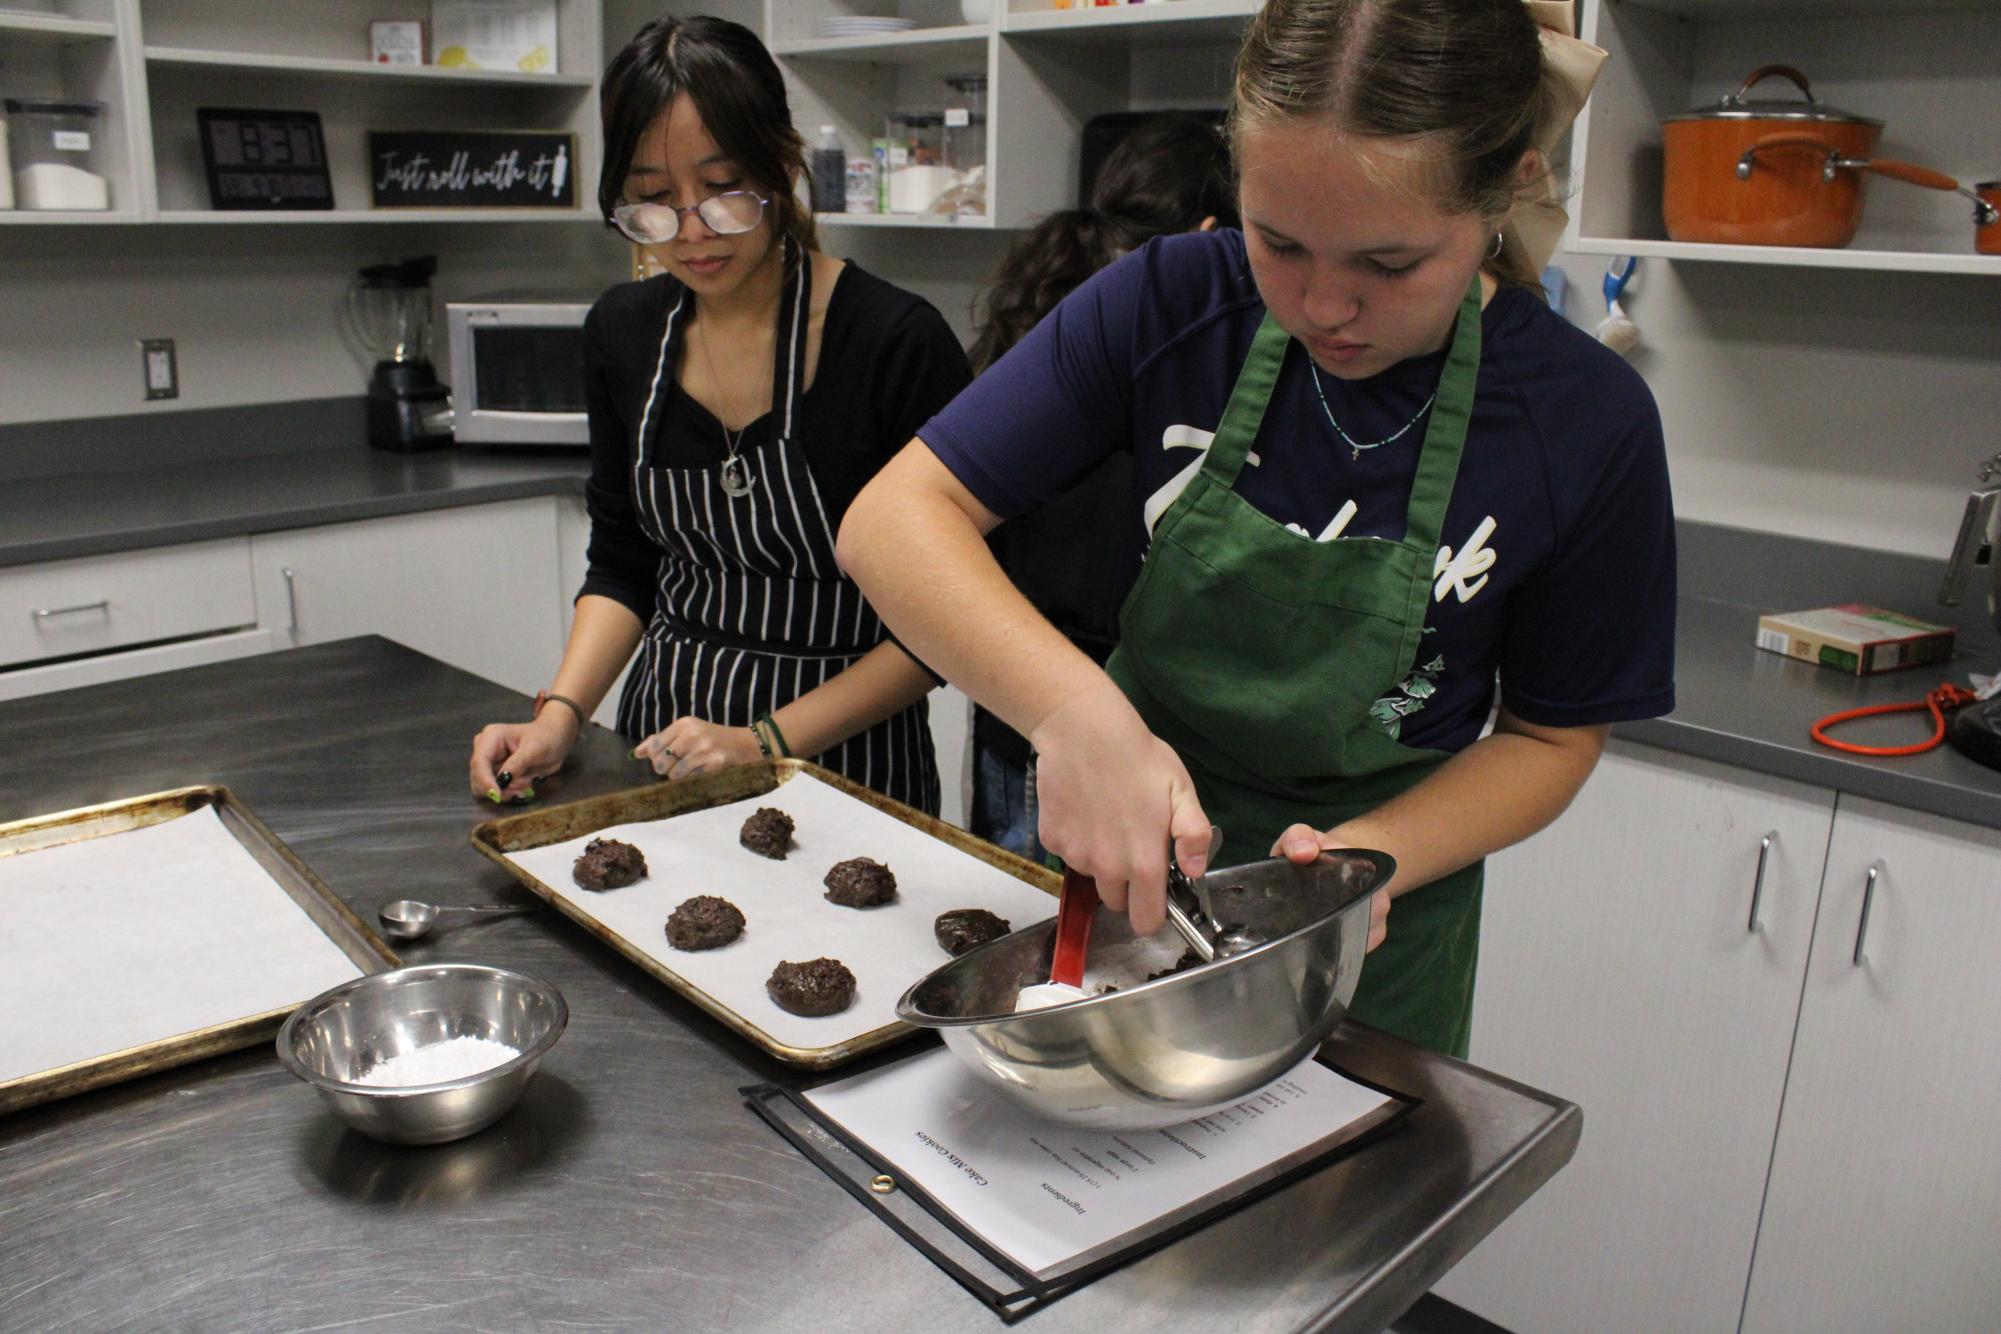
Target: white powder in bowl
439 1063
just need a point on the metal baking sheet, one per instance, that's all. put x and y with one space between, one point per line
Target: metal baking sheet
146 933
938 866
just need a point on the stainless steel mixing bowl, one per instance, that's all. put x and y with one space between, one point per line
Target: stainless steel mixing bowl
1152 1054
336 1037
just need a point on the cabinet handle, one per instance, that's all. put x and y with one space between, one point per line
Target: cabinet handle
292 599
44 613
1758 883
1868 898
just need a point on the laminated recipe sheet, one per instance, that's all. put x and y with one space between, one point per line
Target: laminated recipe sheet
786 914
1054 1198
115 942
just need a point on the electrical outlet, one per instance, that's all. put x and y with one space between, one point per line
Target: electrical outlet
156 357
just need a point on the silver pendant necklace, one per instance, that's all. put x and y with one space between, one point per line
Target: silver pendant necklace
1353 444
736 473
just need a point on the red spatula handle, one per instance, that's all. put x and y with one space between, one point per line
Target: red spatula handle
1074 912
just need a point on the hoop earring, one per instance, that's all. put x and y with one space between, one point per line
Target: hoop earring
1494 250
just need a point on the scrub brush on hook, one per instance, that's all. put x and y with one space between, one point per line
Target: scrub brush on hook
1616 331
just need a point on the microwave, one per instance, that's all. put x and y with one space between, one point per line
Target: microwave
518 373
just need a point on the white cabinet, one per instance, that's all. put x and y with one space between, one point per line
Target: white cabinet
94 604
1929 69
476 587
1884 1210
1791 1127
1048 70
1619 968
155 62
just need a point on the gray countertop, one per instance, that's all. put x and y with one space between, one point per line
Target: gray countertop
91 487
630 1189
152 503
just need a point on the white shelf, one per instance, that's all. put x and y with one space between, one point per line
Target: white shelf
53 29
915 46
343 215
44 217
1892 261
329 68
930 221
1751 11
1174 21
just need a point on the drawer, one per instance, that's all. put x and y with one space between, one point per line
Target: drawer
21 682
62 608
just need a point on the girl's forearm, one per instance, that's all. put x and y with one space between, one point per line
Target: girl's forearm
880 684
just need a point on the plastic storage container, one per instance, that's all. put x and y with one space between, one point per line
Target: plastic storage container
965 145
914 165
55 155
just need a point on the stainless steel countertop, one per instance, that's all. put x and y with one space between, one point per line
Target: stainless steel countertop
630 1189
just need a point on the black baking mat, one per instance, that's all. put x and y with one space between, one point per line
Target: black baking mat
1007 1289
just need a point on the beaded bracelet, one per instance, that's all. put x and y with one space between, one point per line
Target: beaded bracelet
757 734
776 735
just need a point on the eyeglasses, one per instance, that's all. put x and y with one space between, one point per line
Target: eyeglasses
728 214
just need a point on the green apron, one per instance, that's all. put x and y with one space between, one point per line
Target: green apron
1257 654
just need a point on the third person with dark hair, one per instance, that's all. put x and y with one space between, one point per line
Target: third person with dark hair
1075 557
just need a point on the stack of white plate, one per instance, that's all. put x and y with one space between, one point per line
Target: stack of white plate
863 25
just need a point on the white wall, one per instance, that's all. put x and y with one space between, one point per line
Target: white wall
1846 407
254 309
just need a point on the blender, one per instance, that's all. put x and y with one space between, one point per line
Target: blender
389 313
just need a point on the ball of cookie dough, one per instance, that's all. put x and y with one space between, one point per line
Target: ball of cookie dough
767 833
860 882
704 922
608 864
962 929
814 988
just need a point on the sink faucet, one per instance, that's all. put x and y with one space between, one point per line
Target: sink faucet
1973 549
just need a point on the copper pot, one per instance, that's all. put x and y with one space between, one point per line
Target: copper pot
1750 171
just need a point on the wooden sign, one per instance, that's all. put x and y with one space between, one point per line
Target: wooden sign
472 169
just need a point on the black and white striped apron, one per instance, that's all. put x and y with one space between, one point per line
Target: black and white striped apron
751 610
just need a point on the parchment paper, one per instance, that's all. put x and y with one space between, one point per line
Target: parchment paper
135 937
786 915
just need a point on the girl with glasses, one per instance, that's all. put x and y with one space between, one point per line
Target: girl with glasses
1375 475
738 402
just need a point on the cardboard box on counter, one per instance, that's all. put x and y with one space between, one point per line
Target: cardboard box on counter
1856 639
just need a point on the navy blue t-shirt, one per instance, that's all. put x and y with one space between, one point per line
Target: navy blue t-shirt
1556 566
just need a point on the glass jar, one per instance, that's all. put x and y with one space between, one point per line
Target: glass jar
54 152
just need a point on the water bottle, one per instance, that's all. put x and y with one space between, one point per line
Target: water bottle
830 173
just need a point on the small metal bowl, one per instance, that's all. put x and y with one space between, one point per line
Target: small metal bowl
340 1034
1155 1053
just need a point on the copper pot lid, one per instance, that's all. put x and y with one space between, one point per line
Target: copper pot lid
1740 105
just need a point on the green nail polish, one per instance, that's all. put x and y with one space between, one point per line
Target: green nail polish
527 794
493 794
